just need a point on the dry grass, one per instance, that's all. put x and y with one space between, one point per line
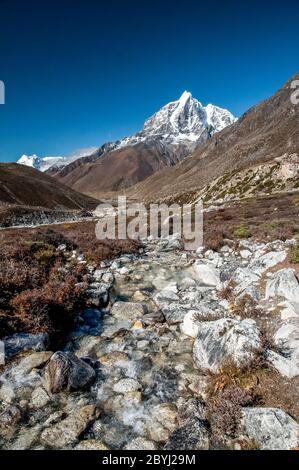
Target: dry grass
246 307
267 218
37 293
227 293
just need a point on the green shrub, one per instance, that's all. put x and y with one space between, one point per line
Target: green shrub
46 256
43 253
294 255
242 232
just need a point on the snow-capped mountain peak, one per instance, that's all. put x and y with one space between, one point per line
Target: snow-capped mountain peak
219 118
30 160
185 97
45 163
183 120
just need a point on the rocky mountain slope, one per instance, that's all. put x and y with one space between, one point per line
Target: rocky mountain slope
264 133
280 175
166 138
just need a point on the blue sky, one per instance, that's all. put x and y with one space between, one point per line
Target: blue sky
80 73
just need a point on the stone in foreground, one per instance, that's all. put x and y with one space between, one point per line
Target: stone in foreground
193 436
225 340
67 431
271 428
65 372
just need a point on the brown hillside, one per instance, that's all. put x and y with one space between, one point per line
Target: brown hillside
24 186
118 169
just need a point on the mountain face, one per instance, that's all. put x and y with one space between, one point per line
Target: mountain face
45 163
166 138
263 134
185 120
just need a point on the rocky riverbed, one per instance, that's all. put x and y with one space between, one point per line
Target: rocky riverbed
146 366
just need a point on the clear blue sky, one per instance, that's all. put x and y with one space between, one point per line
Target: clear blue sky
79 72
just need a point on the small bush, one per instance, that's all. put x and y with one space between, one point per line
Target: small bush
37 291
224 412
242 232
246 307
52 308
16 276
249 444
227 293
294 255
50 237
231 375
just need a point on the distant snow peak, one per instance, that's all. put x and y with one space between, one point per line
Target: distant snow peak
45 163
30 160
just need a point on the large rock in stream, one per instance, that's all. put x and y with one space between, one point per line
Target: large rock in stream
66 372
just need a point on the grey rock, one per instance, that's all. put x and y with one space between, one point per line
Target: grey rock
128 311
192 436
67 431
283 284
272 428
126 385
173 314
267 261
140 443
9 418
207 274
222 340
244 277
65 372
91 444
99 295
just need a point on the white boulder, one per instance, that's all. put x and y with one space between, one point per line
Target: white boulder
283 284
207 274
225 340
272 428
267 261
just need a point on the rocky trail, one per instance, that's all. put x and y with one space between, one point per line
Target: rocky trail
137 370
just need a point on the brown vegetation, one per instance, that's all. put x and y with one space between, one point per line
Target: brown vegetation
266 219
42 288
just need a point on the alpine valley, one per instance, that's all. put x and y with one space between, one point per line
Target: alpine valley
142 344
